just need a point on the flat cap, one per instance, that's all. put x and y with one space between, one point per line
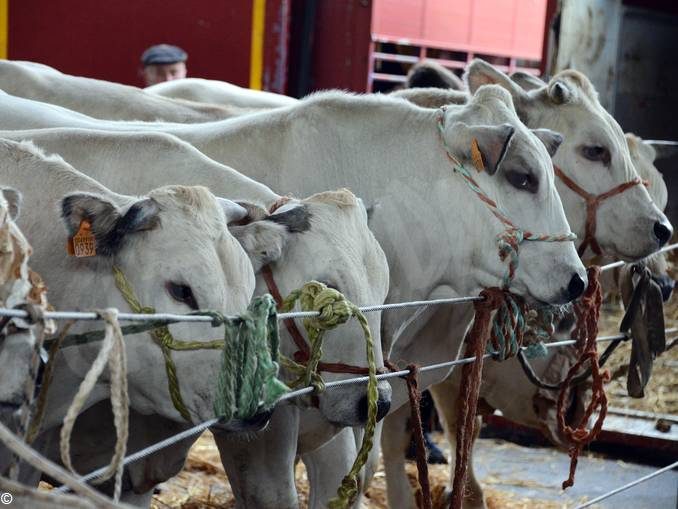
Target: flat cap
163 54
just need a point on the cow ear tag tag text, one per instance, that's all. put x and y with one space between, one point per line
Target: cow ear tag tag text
83 243
476 156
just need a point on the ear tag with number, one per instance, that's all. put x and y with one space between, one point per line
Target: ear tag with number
83 243
476 156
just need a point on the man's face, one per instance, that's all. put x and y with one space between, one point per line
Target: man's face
163 72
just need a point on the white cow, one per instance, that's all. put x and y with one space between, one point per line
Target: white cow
103 99
147 238
380 146
219 92
516 402
337 247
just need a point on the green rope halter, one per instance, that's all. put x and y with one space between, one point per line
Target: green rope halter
247 382
334 310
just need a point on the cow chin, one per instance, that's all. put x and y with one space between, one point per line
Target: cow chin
347 406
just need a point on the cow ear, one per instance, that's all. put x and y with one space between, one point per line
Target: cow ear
13 198
479 73
550 139
107 222
527 81
233 211
560 92
493 142
263 236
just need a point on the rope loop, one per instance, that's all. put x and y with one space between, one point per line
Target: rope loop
334 309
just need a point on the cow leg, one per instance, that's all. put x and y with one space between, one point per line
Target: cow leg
261 470
444 396
394 441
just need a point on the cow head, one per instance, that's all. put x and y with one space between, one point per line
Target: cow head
174 248
517 174
594 154
325 237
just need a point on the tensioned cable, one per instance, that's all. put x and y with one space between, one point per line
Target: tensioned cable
628 485
151 449
169 318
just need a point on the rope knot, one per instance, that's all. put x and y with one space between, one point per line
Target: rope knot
332 306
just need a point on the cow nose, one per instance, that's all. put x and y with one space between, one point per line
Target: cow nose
383 406
662 232
576 287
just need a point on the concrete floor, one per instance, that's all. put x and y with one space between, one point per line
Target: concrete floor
537 473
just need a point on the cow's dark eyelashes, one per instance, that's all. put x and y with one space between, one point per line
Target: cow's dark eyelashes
596 153
182 293
522 180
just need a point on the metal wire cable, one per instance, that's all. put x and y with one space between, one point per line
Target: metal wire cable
628 485
614 265
169 318
308 390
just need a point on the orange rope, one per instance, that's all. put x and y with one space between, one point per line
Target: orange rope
471 374
585 332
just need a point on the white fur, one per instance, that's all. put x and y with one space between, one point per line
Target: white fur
219 92
102 99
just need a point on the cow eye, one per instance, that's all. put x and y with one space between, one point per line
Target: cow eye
182 293
522 180
596 153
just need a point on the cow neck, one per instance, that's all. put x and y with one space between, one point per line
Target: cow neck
303 353
593 201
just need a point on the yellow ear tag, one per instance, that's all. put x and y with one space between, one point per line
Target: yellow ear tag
476 156
83 243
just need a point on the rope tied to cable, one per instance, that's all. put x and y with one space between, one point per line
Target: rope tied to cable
587 310
248 382
333 309
507 331
113 354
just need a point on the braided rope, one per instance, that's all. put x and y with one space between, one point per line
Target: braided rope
334 309
248 381
164 339
508 241
112 353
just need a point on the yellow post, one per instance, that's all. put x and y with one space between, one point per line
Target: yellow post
4 24
257 51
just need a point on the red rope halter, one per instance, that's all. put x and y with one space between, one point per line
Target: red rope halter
593 201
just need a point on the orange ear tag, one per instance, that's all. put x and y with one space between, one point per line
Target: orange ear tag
83 243
476 156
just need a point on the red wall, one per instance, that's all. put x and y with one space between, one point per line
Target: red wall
105 39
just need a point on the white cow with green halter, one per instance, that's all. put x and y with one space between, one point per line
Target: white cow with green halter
331 244
143 238
394 154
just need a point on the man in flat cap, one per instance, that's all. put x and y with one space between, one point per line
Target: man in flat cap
163 62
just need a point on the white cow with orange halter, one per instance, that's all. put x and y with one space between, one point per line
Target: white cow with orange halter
566 97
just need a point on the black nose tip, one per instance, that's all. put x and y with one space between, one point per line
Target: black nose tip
576 287
662 232
383 406
666 285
